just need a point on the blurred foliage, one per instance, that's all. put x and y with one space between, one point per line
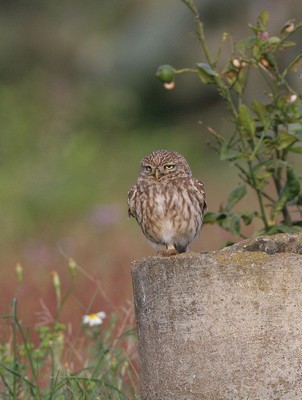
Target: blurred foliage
69 124
265 132
79 107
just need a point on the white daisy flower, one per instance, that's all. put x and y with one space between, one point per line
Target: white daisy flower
94 319
292 98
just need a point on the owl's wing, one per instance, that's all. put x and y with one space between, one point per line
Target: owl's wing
201 195
131 202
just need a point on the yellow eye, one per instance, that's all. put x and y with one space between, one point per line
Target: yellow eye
148 168
169 167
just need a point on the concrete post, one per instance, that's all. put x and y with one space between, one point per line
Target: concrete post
226 325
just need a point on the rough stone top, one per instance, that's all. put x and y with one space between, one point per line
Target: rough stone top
281 243
269 245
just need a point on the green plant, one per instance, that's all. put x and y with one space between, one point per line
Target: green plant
96 363
265 132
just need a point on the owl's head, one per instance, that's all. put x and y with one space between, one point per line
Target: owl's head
164 165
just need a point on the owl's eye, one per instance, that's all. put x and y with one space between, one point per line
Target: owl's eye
169 166
148 168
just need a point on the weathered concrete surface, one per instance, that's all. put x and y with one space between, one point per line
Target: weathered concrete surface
226 325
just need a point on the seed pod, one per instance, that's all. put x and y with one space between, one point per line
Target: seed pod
288 27
166 73
236 63
169 85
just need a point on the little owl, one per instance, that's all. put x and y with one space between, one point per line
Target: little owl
167 202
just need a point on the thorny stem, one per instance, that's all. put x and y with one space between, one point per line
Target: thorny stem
15 347
247 180
278 186
180 71
200 30
259 196
18 328
274 80
223 90
250 179
291 64
285 213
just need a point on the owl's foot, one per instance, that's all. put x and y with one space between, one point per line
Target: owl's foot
169 253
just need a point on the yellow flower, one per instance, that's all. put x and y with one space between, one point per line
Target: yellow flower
19 270
94 319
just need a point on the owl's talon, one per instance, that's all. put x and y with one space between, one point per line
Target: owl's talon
167 253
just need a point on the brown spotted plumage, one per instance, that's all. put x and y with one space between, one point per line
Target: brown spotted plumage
167 202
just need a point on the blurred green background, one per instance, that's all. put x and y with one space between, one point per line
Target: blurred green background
79 107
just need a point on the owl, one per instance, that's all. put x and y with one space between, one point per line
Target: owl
167 202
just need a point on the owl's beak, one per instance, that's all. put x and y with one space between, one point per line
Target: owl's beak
157 174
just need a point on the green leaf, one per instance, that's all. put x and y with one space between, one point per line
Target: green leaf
292 184
232 224
285 45
260 110
246 121
285 140
293 65
229 154
206 73
257 51
265 169
295 129
247 217
289 192
240 80
274 40
297 149
235 196
228 221
246 43
280 228
211 217
263 19
261 173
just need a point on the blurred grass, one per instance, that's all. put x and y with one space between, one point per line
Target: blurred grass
55 360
